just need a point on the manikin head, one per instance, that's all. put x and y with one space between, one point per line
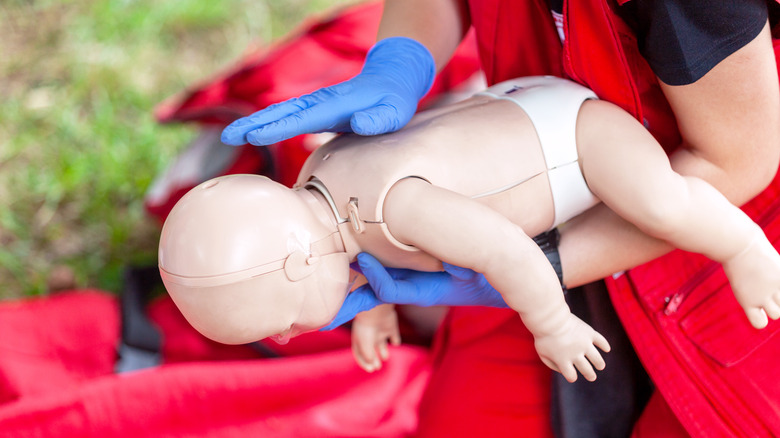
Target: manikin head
245 258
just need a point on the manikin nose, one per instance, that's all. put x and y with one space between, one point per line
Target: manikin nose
282 338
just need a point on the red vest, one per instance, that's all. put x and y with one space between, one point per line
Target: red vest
715 371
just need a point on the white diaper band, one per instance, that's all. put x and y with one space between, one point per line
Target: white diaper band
552 104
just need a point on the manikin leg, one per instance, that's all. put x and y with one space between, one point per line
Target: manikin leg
627 169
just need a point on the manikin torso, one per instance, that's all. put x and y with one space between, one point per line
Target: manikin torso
499 163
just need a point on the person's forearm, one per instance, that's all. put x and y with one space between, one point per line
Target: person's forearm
730 122
438 24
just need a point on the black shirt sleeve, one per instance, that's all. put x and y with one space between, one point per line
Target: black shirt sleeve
682 40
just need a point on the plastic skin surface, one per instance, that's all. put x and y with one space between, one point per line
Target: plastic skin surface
245 258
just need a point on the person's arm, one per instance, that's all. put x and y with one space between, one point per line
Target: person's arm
439 25
730 122
460 231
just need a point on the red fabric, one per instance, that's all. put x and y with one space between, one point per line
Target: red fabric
658 421
56 368
486 384
707 362
503 56
713 368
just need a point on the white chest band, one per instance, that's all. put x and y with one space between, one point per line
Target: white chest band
552 104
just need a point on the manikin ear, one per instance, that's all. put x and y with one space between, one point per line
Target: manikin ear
300 265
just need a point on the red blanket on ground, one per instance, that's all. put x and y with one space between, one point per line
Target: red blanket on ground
57 356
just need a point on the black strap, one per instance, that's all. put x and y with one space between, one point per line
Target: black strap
548 243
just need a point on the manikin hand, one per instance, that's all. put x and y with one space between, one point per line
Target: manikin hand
372 331
397 72
572 348
754 275
454 287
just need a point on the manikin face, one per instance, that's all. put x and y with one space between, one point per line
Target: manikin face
269 305
244 258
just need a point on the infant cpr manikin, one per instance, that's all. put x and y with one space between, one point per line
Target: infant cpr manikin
245 258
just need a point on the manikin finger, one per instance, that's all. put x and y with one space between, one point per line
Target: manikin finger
601 342
361 361
595 358
569 372
772 309
757 317
584 367
382 349
364 347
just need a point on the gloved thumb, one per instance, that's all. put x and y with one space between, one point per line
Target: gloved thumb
458 272
377 276
359 300
379 119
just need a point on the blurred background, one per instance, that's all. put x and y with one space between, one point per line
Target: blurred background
79 145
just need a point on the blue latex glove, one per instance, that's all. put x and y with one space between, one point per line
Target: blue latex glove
397 72
454 287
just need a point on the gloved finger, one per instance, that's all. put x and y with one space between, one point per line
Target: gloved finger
355 267
377 119
458 272
359 300
321 117
235 133
584 367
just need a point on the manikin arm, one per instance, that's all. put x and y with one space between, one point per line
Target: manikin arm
372 331
462 232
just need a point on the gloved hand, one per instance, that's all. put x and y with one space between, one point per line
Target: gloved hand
398 71
454 287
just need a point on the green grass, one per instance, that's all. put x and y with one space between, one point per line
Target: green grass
78 143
